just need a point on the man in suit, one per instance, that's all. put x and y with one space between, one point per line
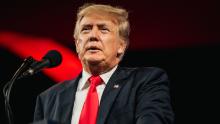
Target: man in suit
122 95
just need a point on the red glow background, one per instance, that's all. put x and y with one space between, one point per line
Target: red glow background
32 28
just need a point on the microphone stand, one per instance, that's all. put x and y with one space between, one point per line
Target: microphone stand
8 86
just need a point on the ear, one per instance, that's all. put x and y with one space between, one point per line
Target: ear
122 47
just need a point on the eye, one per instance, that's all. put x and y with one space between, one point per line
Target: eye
85 29
104 30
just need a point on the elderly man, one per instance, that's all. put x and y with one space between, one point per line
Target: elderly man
105 93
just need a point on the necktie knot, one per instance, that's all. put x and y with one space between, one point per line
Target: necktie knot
95 80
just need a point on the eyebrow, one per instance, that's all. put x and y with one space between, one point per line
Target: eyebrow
102 25
99 25
86 25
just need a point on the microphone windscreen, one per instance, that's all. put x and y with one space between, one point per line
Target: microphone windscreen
54 57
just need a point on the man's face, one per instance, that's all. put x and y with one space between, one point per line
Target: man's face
98 41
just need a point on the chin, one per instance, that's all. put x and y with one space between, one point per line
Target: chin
94 60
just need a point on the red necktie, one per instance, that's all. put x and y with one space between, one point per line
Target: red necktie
91 105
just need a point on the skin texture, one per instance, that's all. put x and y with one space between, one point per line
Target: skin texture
99 45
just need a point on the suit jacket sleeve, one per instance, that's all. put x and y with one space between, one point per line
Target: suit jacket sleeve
153 100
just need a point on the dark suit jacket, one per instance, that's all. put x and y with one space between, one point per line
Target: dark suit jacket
142 97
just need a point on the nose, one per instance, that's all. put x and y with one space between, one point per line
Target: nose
93 38
94 35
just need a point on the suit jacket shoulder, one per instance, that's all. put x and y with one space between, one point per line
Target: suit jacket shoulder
146 74
57 88
55 101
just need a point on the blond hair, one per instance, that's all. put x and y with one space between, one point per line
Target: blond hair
120 15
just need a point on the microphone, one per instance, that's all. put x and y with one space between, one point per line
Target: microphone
52 59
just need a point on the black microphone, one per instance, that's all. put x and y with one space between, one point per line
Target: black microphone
52 59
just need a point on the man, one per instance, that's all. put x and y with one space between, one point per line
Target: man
122 95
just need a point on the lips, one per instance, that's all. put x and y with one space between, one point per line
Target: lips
92 48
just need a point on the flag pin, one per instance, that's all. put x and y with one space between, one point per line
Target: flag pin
116 86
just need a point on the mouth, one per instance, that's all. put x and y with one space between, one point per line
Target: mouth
93 49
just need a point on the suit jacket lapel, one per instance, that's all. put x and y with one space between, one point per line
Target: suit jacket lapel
66 101
110 93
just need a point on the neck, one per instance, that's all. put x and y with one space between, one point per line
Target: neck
97 69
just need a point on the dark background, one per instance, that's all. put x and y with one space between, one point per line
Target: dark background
182 37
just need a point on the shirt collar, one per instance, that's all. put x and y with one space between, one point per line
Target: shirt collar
85 76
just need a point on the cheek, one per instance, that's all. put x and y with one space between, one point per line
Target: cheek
112 48
79 47
80 43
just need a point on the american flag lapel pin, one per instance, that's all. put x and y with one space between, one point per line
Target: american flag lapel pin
116 86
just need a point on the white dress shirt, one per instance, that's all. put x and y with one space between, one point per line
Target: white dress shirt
82 91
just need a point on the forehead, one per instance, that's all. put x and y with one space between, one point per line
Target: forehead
98 18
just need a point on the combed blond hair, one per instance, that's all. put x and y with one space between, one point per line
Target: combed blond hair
119 14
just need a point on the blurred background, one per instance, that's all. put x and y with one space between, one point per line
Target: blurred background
182 37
